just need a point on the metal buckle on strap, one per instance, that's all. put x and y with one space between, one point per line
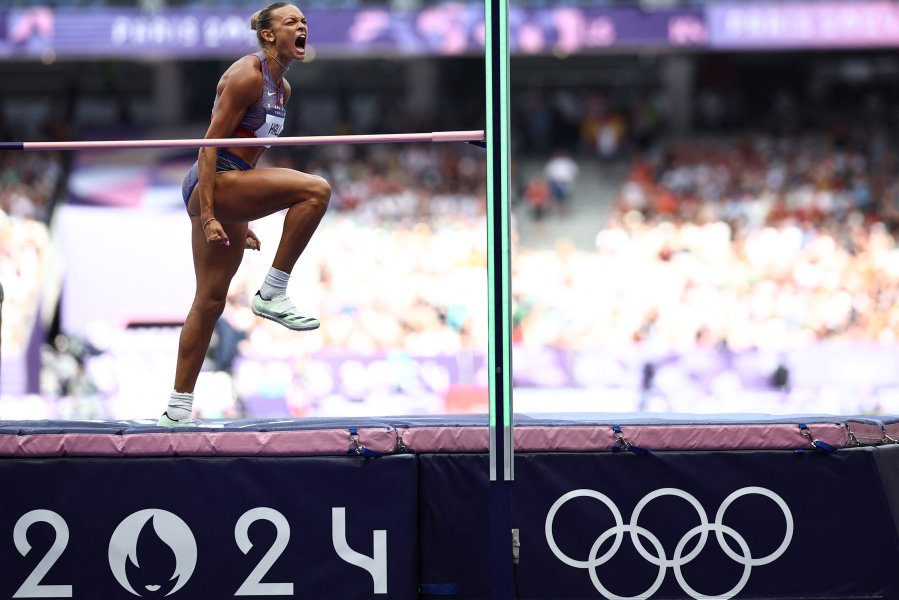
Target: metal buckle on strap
815 443
400 444
357 448
621 443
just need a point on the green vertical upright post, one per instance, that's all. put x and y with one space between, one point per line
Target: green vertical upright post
496 56
499 239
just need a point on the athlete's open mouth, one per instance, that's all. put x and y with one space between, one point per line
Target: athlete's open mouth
301 42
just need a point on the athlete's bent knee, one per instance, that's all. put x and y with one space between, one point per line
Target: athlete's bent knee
320 193
211 307
323 190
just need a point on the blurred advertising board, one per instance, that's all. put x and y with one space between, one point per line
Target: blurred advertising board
442 30
449 28
803 25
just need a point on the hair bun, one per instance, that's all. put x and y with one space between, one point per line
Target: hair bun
254 20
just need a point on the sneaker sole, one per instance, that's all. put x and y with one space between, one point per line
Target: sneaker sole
170 424
282 323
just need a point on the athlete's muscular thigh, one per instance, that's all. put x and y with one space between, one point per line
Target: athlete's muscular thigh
216 264
248 195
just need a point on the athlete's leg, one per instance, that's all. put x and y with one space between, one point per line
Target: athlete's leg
214 266
242 196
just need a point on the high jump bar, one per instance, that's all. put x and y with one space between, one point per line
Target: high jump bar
475 137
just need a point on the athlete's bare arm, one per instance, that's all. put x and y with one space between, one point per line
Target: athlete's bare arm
238 89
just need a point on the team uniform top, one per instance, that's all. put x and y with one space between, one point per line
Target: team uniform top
265 118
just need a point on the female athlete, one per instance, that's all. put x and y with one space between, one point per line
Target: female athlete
224 190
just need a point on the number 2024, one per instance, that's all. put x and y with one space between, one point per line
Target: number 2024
253 585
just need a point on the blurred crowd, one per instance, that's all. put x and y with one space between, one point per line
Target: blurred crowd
770 243
27 185
24 256
588 122
762 241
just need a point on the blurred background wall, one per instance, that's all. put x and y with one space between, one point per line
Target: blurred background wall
705 209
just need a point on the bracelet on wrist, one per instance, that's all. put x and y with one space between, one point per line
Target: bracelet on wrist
208 221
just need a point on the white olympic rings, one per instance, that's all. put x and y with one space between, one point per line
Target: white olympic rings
678 559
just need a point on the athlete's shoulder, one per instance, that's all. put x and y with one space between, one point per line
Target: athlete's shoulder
241 84
245 71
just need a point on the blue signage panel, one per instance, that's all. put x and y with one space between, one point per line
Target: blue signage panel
208 528
669 525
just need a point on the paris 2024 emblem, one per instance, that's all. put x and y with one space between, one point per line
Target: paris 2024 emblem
171 530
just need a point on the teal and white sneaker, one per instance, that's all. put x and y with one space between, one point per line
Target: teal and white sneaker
283 311
166 421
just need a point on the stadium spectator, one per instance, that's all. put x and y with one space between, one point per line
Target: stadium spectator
561 173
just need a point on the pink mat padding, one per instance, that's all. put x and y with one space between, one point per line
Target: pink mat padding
597 438
733 437
535 438
867 433
201 443
891 430
447 439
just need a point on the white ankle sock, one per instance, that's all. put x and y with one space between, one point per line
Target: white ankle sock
180 406
275 284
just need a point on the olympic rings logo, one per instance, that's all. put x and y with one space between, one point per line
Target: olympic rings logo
678 559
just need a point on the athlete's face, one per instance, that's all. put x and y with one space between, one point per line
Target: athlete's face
289 31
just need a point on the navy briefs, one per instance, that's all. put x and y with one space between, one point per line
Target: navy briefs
225 162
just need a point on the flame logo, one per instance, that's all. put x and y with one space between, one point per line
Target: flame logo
173 532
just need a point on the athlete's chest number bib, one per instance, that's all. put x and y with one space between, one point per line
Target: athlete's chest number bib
272 127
